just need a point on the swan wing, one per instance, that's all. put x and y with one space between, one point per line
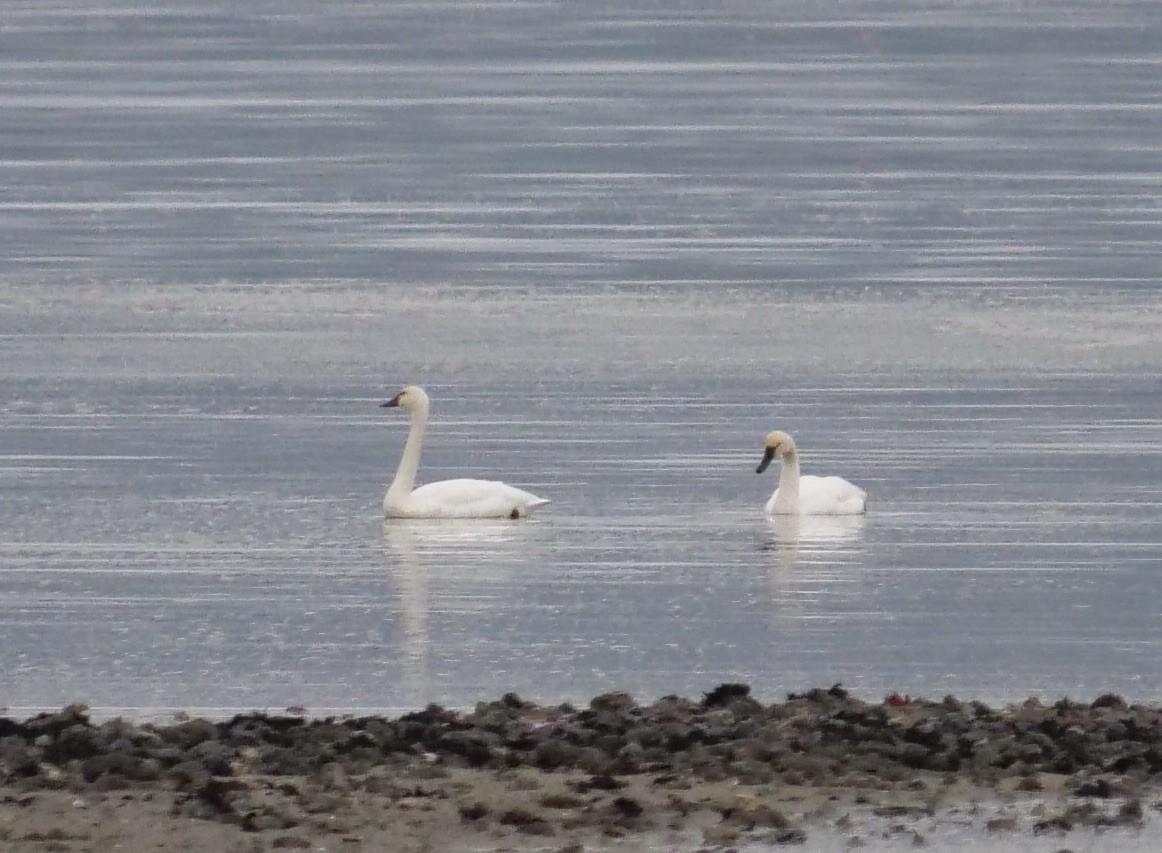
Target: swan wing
466 498
830 496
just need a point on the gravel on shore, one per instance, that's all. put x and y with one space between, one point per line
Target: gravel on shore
723 770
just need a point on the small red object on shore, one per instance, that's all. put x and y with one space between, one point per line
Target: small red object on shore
896 700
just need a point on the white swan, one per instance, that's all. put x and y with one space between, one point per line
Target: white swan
808 495
448 498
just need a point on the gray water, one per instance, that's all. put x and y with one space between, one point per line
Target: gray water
618 243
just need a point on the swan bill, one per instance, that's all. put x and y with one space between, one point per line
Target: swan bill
392 403
768 455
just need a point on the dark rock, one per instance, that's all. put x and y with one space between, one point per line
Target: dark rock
1001 824
1030 784
552 754
431 715
315 801
628 759
258 729
1083 815
189 775
1130 812
122 764
791 835
594 761
289 842
748 813
214 756
17 758
168 755
77 741
724 694
626 807
1108 700
474 747
358 743
147 770
597 783
189 734
1152 758
817 695
473 811
213 796
526 822
562 801
1094 788
981 711
914 755
511 700
618 702
721 835
264 820
900 811
55 723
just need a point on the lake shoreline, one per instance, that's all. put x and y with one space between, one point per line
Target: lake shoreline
682 773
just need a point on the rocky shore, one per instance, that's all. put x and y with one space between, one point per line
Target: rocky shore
687 774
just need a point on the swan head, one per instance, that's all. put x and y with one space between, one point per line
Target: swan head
777 443
411 397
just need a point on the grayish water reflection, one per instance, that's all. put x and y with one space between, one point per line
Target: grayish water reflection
618 244
234 556
584 145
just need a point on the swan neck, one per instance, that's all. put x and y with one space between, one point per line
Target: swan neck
788 499
409 462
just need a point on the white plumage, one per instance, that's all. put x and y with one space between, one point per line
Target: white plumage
462 498
806 495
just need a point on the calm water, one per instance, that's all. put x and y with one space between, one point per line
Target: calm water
618 244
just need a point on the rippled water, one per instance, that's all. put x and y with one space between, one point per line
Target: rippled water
231 550
618 244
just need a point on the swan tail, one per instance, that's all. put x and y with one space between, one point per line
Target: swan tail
527 507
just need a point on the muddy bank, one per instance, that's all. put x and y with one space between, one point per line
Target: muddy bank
719 770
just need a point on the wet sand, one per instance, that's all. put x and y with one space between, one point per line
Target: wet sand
677 773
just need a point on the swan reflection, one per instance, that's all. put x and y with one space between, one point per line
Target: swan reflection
455 562
808 549
820 531
403 552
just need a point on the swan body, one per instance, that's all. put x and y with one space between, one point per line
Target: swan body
462 498
806 495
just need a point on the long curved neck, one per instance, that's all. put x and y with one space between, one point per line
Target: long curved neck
788 499
409 462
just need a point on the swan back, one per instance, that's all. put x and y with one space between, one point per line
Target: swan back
464 498
823 496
